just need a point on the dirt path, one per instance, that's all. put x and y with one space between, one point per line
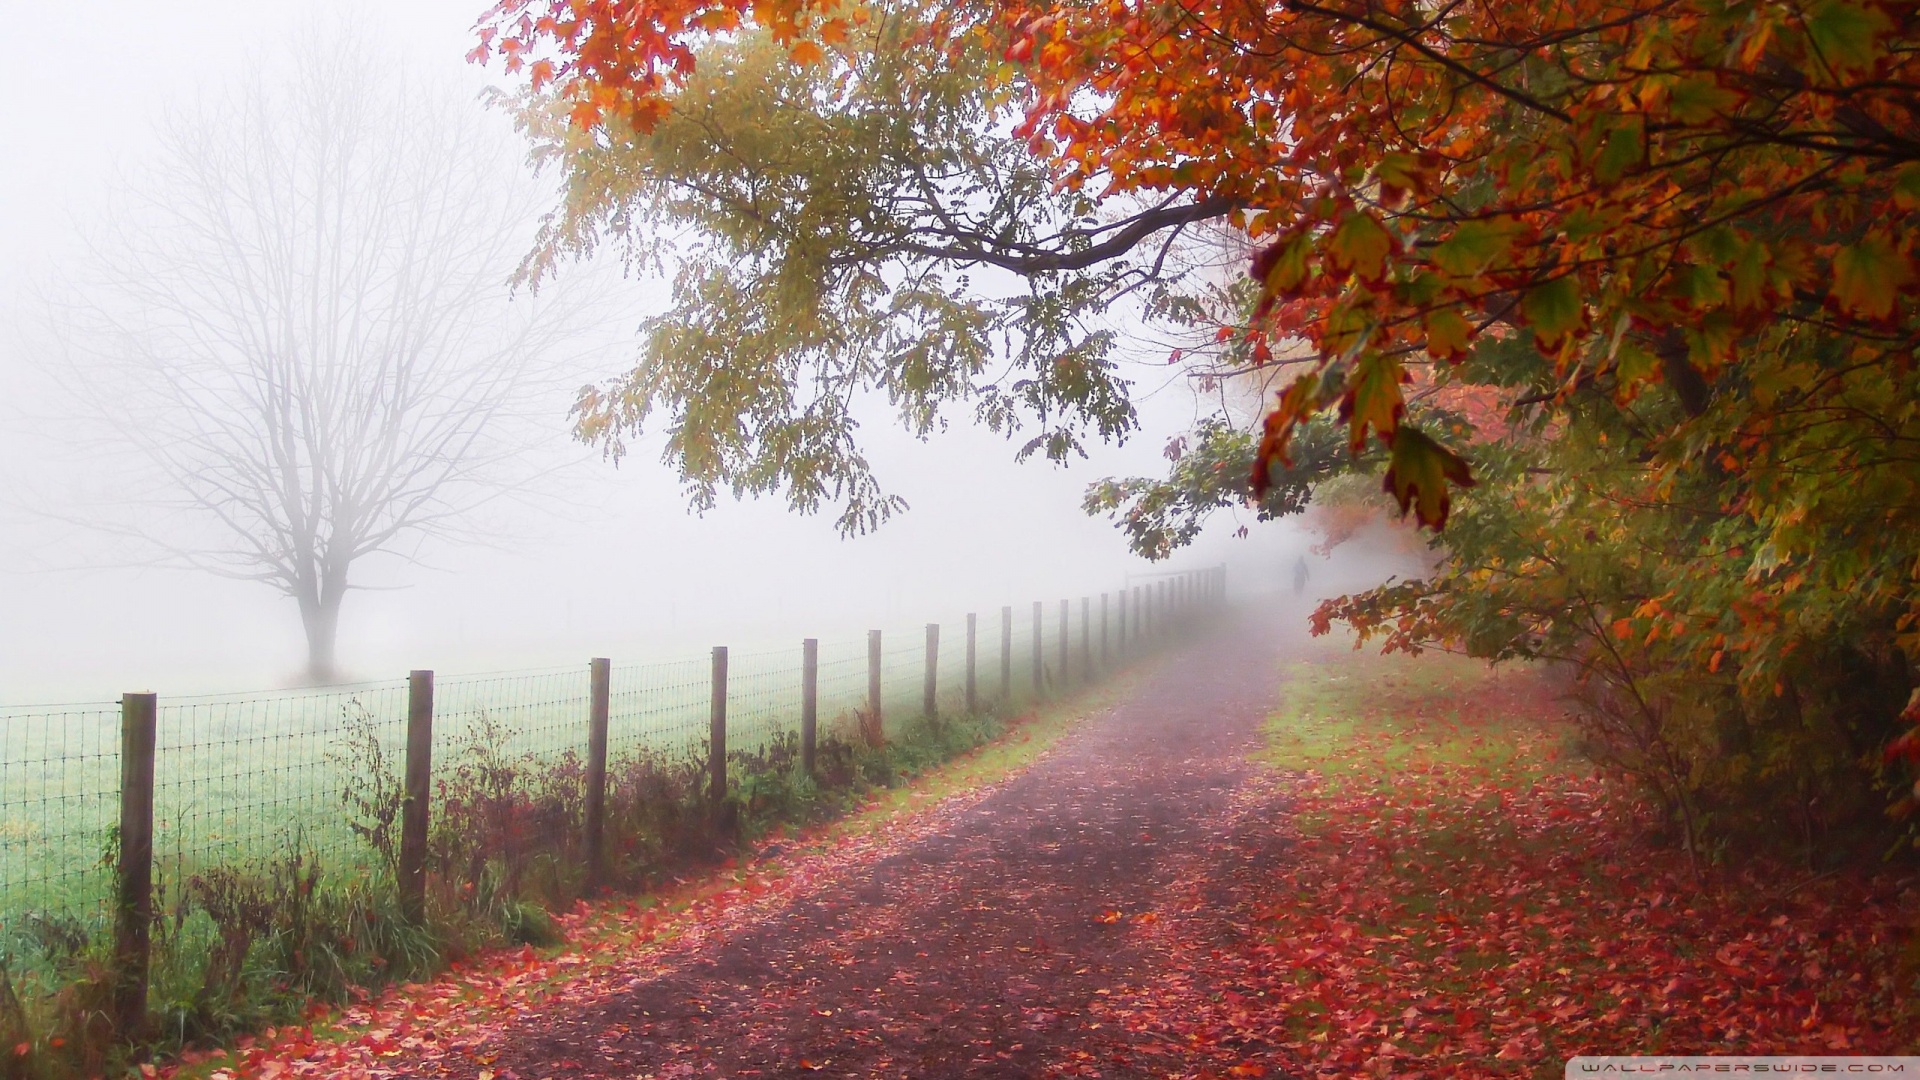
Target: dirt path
994 944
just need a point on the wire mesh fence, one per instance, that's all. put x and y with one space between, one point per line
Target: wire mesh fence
763 698
659 706
59 804
236 777
240 777
536 714
843 685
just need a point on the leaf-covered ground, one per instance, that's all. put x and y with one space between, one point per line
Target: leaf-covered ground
1399 874
1460 897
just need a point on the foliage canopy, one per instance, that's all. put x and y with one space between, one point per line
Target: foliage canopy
1622 293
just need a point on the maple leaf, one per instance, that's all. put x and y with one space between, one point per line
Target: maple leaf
1360 244
1447 334
1375 402
1400 175
1475 245
1869 276
1554 310
1420 473
1847 36
1281 267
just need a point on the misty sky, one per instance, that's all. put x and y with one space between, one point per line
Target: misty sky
617 568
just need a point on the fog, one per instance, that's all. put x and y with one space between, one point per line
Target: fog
597 560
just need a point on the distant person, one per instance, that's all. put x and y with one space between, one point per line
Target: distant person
1300 575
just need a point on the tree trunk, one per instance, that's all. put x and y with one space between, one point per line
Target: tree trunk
320 616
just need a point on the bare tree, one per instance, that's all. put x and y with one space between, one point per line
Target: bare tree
305 329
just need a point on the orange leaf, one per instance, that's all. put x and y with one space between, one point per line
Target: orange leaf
1447 334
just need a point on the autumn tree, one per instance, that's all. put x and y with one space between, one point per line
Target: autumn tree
300 332
1674 242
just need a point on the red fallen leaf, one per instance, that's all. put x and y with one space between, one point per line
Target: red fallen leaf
22 1049
1109 916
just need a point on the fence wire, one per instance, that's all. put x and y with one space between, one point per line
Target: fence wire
843 687
242 777
541 715
763 698
664 707
59 805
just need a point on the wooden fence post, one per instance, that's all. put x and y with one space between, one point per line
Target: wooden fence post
1105 658
1006 654
972 688
600 682
874 733
717 730
133 885
930 701
413 813
1066 642
809 701
1086 639
1039 652
1139 615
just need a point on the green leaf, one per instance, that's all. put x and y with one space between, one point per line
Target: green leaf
1868 276
1633 367
1474 246
1747 273
1421 474
1624 149
1847 36
1699 99
1447 333
1701 285
1361 244
1906 187
1374 400
1554 310
1281 267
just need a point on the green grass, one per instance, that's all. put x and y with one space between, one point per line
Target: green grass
1364 719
